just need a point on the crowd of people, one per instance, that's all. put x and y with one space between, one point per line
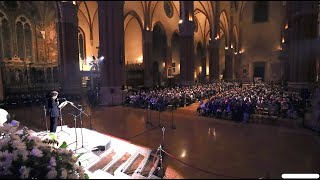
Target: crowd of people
226 100
239 103
159 99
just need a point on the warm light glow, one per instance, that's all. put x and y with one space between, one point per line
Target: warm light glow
180 21
286 27
140 60
195 74
74 2
207 69
282 40
235 53
85 64
231 46
171 173
200 69
190 17
147 28
43 33
226 47
163 64
183 154
209 38
179 66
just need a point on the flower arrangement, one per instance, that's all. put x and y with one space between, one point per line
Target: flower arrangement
25 156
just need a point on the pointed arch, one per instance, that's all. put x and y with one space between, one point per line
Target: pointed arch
224 25
161 26
82 43
24 37
235 38
176 9
133 28
134 15
242 6
5 36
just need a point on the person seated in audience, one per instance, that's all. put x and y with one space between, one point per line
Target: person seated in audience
201 106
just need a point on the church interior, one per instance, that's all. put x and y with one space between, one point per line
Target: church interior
230 89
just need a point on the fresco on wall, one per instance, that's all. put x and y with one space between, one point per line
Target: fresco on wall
38 73
51 41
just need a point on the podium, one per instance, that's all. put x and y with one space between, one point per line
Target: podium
62 105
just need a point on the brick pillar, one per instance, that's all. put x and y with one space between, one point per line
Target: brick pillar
213 48
111 46
229 67
147 57
203 66
237 66
67 24
214 67
186 29
168 62
303 28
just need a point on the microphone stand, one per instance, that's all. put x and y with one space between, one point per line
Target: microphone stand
81 112
75 128
45 119
62 105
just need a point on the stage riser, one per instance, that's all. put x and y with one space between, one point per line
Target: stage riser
108 157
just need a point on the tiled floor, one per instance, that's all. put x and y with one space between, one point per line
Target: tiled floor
220 148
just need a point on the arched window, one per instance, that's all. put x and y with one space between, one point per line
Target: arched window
24 38
260 11
81 44
28 40
5 43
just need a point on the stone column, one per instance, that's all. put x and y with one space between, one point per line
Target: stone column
214 66
237 66
147 56
213 48
186 29
168 65
169 57
111 46
229 65
67 25
203 66
303 27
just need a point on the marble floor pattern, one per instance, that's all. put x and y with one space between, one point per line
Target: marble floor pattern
215 148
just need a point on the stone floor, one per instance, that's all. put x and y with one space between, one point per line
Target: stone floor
215 148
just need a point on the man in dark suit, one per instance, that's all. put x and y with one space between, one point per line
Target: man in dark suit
53 110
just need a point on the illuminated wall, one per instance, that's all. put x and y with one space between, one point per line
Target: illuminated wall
263 47
89 24
133 41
